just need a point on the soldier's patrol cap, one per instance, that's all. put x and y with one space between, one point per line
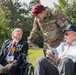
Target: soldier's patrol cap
37 9
70 27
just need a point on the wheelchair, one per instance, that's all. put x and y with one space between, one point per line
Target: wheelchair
26 68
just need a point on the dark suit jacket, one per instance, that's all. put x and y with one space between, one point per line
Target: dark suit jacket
22 48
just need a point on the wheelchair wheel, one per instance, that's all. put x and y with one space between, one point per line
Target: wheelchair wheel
29 69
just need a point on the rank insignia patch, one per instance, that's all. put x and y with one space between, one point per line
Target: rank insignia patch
63 18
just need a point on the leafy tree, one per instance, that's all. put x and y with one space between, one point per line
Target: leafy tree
68 7
19 15
4 29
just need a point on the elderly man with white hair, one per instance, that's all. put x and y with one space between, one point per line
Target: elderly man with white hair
11 51
65 61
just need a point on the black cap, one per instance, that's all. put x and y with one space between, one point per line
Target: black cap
70 27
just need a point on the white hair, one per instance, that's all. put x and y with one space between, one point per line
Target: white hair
16 30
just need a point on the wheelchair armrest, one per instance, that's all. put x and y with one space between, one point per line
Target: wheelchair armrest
26 57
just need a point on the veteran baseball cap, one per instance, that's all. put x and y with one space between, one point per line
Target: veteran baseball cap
70 27
37 9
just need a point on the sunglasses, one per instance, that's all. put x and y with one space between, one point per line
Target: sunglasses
66 34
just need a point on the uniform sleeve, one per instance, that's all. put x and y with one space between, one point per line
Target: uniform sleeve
61 19
34 32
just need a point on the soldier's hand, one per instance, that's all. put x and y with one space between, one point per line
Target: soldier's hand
29 44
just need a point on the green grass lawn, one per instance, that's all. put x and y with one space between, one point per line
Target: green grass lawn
35 53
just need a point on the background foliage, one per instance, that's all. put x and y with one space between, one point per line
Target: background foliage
35 53
68 8
16 14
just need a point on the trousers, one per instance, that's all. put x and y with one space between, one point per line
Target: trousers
45 66
66 67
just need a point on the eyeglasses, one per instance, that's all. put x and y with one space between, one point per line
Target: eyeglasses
69 33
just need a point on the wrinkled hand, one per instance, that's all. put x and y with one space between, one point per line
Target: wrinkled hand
29 45
49 53
57 60
5 68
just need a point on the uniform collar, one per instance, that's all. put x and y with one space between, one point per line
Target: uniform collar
49 14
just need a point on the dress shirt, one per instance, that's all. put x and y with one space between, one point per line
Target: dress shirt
71 53
12 46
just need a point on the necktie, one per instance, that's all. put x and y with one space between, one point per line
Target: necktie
66 51
12 49
10 56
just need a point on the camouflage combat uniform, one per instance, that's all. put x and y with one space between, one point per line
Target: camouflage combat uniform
51 28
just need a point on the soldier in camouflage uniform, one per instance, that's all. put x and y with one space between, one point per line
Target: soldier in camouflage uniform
50 22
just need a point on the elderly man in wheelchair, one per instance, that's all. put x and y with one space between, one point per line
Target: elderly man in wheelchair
12 55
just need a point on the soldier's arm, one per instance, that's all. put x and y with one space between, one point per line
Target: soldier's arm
61 19
34 32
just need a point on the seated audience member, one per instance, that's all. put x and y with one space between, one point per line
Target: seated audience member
64 63
11 52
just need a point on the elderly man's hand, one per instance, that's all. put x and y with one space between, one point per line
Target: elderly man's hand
6 68
57 60
49 53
